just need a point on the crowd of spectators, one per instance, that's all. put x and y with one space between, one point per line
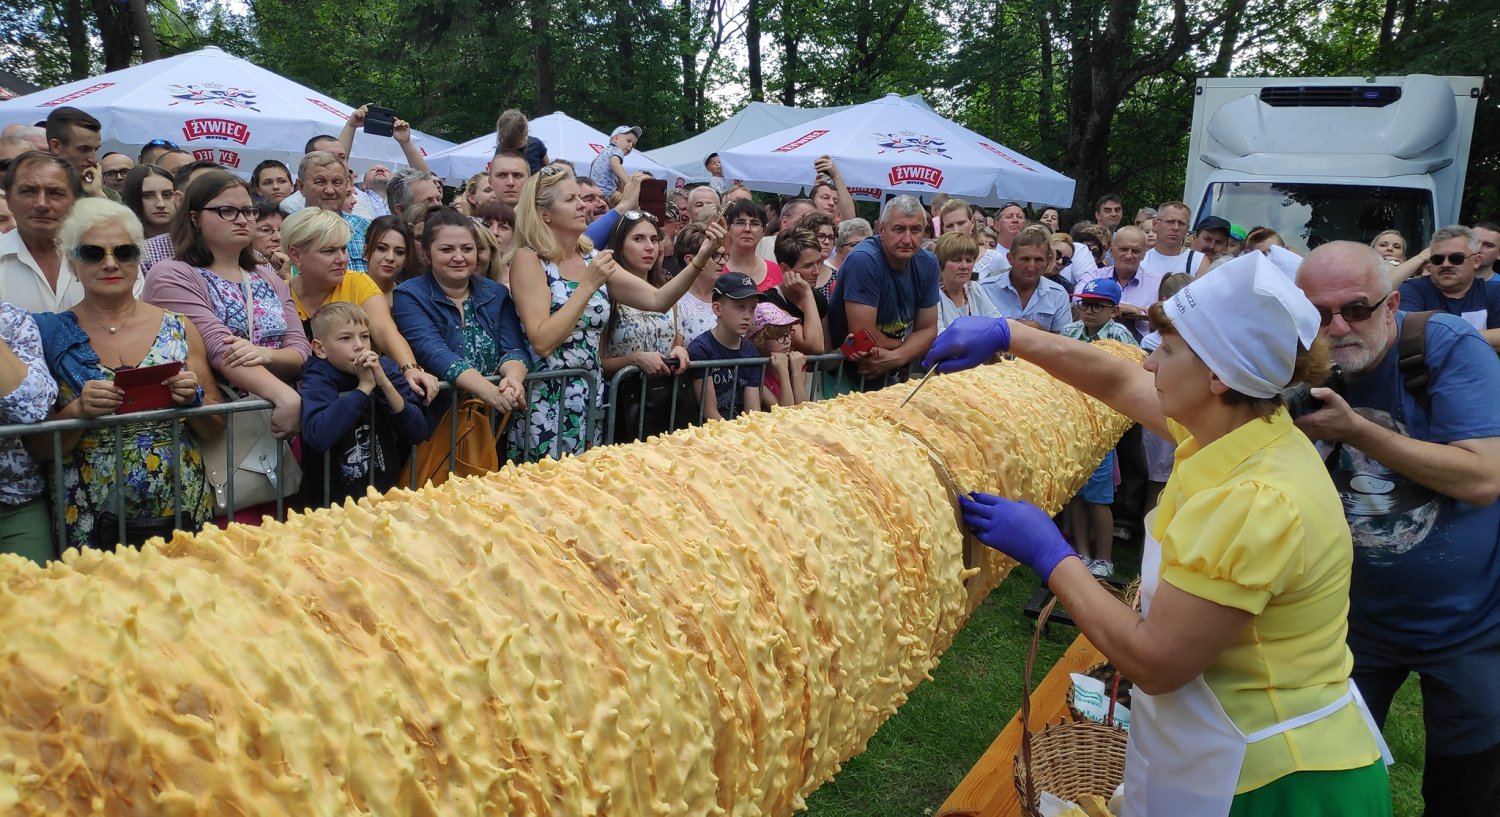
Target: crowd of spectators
347 304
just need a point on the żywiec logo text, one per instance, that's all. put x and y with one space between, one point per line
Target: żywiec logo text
227 130
78 94
800 141
916 174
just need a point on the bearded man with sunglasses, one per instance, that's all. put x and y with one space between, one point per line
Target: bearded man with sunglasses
34 274
1451 284
1419 477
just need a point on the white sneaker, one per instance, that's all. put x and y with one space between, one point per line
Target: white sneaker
1102 568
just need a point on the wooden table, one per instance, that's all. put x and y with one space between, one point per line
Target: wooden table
989 790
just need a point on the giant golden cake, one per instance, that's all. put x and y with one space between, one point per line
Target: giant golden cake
707 623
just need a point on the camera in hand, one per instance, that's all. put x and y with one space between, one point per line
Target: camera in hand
1299 399
380 121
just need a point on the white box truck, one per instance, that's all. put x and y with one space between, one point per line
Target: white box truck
1327 158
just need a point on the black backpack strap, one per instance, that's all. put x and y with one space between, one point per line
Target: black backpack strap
1411 357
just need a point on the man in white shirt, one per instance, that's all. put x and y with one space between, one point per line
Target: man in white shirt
1008 224
790 212
34 275
1138 289
1170 253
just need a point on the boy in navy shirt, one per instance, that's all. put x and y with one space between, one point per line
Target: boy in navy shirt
339 385
735 299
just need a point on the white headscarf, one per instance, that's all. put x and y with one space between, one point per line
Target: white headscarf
1245 321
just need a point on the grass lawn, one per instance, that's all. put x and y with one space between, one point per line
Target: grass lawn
922 753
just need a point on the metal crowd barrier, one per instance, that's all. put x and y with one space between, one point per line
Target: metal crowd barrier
830 373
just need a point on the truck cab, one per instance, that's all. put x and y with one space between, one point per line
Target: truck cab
1321 159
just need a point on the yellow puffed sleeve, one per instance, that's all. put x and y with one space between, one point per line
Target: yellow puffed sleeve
1238 545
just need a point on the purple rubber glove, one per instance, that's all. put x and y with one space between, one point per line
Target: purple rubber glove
1021 531
968 342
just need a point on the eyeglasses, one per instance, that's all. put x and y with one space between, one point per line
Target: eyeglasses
784 337
229 213
848 244
162 143
745 224
94 254
637 215
1453 259
1094 306
827 238
721 258
1350 312
115 174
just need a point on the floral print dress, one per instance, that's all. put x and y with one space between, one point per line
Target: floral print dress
563 413
148 463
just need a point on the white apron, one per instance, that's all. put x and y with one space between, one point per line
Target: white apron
1185 754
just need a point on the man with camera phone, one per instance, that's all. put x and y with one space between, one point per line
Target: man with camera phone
1413 444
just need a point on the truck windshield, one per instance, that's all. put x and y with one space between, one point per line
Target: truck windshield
1307 215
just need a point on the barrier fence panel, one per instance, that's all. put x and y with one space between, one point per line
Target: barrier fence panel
829 373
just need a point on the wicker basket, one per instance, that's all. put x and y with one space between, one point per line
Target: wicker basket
1067 759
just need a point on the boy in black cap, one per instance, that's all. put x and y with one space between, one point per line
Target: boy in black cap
735 299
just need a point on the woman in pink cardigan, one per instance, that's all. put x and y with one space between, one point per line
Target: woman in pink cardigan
244 312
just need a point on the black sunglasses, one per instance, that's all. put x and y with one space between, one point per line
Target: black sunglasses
1453 259
94 254
1351 313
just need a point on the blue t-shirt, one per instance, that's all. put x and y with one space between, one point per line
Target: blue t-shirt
729 381
897 295
1426 566
1480 306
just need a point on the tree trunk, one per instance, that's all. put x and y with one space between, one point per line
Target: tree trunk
1046 120
116 39
688 53
1228 44
752 49
145 33
77 33
546 77
789 58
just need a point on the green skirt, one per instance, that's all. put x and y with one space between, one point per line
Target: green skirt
1362 792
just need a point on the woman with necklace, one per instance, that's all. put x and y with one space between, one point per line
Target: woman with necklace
106 333
317 243
564 291
462 327
960 293
243 311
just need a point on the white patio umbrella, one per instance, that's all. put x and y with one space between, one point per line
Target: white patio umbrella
892 145
215 106
565 137
751 122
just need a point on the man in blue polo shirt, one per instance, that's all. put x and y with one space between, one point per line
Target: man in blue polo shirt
888 287
1451 286
1419 479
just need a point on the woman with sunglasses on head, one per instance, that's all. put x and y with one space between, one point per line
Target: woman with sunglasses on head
650 341
106 334
243 309
564 292
747 226
149 193
317 241
850 233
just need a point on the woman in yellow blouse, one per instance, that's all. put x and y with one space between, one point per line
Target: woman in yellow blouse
316 241
1244 704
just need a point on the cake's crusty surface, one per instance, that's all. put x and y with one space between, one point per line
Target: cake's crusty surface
708 623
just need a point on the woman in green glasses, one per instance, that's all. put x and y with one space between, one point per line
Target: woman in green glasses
109 332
